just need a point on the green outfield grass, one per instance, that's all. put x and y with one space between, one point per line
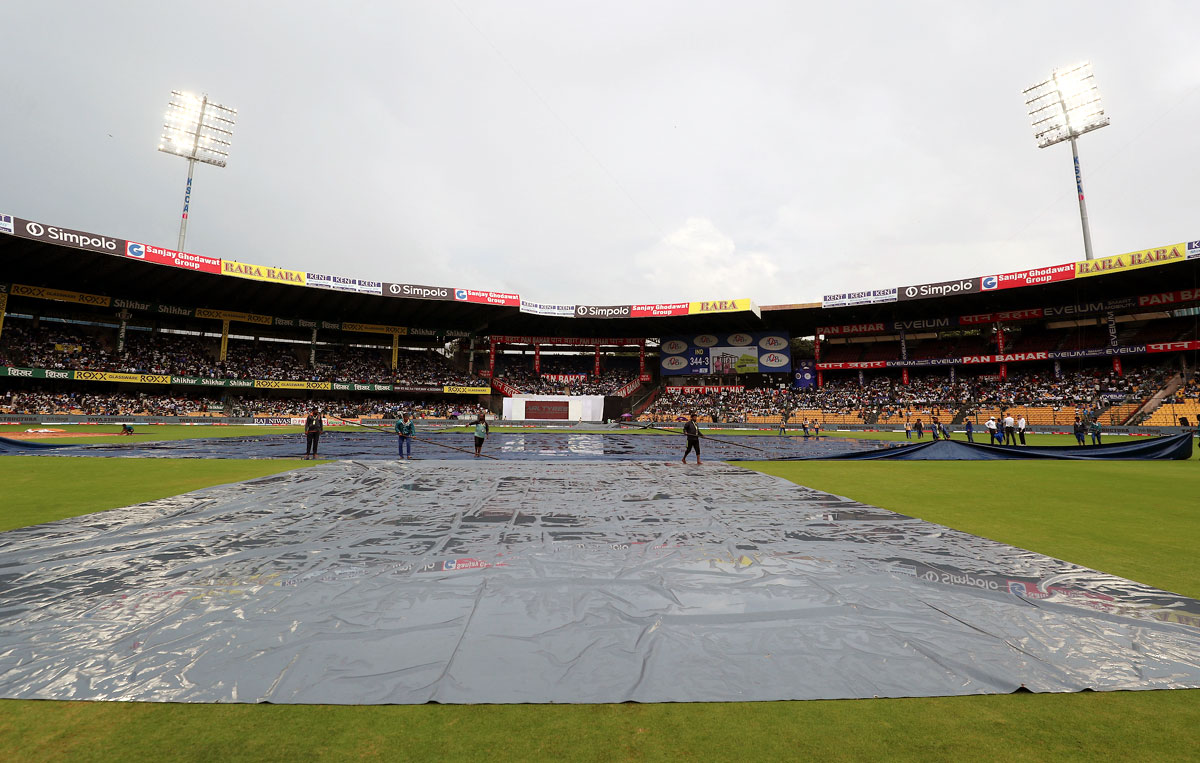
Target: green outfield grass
1136 519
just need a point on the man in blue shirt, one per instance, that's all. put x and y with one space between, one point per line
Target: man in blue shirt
405 430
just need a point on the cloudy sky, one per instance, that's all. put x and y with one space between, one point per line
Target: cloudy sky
608 152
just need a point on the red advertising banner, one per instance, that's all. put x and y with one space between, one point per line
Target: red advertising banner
547 409
492 359
641 359
487 297
854 328
1173 346
160 256
1028 277
582 341
1012 357
537 358
853 364
1169 298
596 369
505 388
1002 317
698 390
659 310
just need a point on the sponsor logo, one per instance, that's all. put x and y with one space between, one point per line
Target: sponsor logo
129 304
414 291
674 363
705 340
1193 248
721 306
940 289
988 283
931 323
659 310
135 250
774 359
6 224
859 298
557 311
674 347
263 273
776 343
1170 298
603 311
853 328
77 239
453 390
460 294
1131 261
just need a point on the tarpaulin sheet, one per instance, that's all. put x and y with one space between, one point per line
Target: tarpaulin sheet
373 582
1173 448
366 445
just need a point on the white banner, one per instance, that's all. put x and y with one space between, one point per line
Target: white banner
554 311
339 283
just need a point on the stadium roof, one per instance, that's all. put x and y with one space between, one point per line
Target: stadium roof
117 268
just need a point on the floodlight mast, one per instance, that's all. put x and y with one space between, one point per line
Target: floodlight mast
1064 107
199 131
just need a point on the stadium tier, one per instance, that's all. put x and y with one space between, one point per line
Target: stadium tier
98 326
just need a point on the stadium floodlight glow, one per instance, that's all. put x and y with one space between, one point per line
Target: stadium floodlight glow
1064 107
200 131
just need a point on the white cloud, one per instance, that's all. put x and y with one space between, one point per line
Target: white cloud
697 262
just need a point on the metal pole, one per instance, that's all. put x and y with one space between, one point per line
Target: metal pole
187 200
1087 233
187 196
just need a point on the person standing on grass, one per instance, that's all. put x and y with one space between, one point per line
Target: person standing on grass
783 419
817 428
1079 431
481 433
907 429
1021 426
990 426
693 438
1010 430
970 431
1095 430
406 429
805 427
313 427
919 428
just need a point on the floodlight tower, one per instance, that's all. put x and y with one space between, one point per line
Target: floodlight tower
200 131
1062 108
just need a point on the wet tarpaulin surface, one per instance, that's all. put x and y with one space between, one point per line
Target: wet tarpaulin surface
1172 448
369 582
363 445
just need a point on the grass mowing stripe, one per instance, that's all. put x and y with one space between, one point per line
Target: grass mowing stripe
44 489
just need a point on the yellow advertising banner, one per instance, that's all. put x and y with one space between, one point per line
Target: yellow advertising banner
1121 262
60 295
288 384
227 315
112 376
720 306
467 390
372 328
263 273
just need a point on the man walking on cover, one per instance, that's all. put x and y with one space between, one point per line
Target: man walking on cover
693 439
313 427
405 430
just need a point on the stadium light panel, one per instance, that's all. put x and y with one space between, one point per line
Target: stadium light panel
1065 106
198 130
1062 108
